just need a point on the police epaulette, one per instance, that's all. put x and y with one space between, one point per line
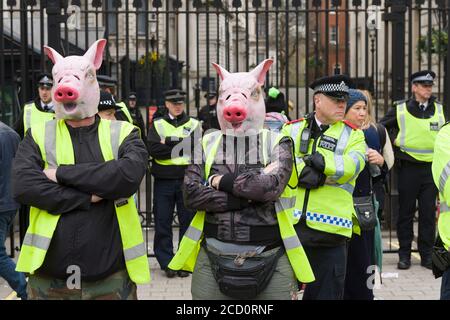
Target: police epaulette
399 102
351 125
295 121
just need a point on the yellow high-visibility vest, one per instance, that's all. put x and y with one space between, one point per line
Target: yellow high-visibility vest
32 115
54 141
330 207
441 171
187 253
416 136
165 129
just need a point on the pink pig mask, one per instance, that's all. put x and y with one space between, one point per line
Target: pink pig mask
76 92
241 109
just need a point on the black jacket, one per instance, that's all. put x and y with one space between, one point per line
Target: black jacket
208 115
9 141
158 150
18 125
87 234
390 122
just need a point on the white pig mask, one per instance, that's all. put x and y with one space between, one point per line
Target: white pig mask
76 92
241 109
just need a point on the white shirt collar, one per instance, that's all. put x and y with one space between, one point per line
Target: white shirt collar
171 116
317 121
49 105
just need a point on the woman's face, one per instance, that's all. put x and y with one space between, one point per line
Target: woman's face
357 113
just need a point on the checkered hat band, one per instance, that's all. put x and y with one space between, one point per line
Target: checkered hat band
332 87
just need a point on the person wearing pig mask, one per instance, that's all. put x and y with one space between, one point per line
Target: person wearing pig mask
241 243
78 173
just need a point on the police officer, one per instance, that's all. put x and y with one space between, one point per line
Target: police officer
107 106
136 115
38 110
208 113
168 170
329 154
108 84
440 167
414 124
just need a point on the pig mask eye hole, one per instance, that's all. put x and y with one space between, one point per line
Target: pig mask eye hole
244 95
228 97
255 93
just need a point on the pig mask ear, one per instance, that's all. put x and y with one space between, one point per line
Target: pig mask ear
261 69
95 53
221 71
52 54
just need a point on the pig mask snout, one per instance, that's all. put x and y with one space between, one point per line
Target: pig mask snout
66 94
234 114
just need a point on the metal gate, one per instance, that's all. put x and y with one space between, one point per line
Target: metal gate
154 45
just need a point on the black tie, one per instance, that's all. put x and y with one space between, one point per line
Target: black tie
45 107
422 107
324 127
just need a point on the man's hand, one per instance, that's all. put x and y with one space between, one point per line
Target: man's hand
214 181
316 161
163 141
51 174
374 157
95 198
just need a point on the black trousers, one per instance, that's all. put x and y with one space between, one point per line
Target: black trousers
167 194
329 267
415 181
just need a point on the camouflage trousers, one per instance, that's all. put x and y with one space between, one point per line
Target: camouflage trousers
117 286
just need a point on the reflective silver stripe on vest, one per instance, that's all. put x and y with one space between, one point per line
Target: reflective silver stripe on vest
160 128
292 243
355 155
193 233
37 241
443 207
295 131
402 124
440 110
444 177
338 154
421 151
347 187
50 143
284 204
115 137
135 252
28 117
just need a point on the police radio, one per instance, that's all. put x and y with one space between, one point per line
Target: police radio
304 140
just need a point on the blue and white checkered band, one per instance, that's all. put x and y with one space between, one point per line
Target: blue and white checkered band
427 77
332 87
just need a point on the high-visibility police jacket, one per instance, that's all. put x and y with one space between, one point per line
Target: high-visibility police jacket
126 112
416 136
165 129
55 144
329 208
186 256
441 172
32 115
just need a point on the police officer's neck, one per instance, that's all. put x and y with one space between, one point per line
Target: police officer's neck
322 119
81 123
420 99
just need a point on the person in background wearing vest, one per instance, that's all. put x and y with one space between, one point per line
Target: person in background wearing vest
414 124
208 113
440 168
9 140
238 184
108 84
164 135
41 109
330 154
78 174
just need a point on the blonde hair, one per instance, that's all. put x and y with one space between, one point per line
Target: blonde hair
369 116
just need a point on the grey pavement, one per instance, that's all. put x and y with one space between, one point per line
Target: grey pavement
416 283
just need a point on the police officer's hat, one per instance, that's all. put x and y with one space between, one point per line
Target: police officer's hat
106 81
132 96
423 77
45 80
175 95
210 95
336 86
107 101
